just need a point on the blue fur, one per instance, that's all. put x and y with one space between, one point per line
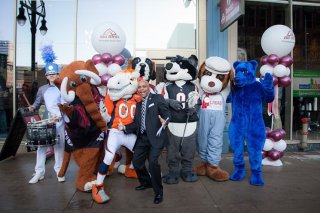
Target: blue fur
48 54
247 121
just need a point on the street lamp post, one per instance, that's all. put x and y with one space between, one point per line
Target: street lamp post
32 10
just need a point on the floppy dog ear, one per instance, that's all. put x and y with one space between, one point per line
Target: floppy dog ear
231 77
201 71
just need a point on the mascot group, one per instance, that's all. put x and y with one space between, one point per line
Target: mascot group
197 95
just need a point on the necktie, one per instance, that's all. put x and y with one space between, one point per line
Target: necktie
143 115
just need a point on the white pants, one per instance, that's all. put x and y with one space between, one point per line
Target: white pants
58 152
116 139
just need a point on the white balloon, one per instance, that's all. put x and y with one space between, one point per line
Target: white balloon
280 71
288 71
108 38
266 69
278 39
268 145
113 69
280 145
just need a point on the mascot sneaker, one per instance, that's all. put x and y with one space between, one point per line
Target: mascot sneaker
98 194
36 178
216 173
201 169
61 179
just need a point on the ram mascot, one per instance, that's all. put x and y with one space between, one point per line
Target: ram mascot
86 120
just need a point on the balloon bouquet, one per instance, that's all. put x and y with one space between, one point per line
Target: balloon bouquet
277 42
108 39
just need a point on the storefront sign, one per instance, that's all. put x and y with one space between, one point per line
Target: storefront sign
306 83
230 11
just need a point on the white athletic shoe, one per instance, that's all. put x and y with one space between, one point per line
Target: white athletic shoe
36 178
61 179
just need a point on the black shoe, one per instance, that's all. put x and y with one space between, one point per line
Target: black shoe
143 187
158 199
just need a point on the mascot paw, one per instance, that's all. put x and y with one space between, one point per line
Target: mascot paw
189 176
98 194
171 178
201 169
256 179
65 108
216 173
88 186
238 175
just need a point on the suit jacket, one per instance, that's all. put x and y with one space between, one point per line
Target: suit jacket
156 105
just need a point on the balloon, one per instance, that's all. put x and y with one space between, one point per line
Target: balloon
268 131
106 58
286 60
275 154
268 145
281 145
96 59
284 81
108 38
264 59
275 80
283 133
273 60
118 59
280 70
266 68
113 69
126 53
264 154
278 39
275 135
104 79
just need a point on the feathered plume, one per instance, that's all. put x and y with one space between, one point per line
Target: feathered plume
47 53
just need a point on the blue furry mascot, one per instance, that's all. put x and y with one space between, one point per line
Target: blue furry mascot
247 122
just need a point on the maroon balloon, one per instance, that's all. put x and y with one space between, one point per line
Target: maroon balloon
275 135
96 59
275 154
106 58
286 60
283 133
273 59
268 131
275 80
264 154
284 81
104 79
118 59
264 59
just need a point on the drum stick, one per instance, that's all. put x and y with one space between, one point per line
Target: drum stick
25 98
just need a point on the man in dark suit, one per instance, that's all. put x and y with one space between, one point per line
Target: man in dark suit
151 113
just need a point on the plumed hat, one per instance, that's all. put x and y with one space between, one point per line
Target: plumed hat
49 57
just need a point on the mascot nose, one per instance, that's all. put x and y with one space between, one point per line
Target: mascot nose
169 66
236 80
211 84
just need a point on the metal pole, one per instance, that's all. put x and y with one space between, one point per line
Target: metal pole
33 23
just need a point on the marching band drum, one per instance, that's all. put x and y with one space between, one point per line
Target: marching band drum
41 133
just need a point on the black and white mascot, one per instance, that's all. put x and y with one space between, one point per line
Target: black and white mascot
182 96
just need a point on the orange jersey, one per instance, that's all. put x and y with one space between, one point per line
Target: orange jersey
124 110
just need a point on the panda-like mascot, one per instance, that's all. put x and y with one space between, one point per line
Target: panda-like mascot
182 96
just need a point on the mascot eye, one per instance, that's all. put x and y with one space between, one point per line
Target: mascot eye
245 71
83 78
208 73
220 77
73 84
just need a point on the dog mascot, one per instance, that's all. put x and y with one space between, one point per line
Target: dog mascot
247 122
86 123
214 79
182 95
121 104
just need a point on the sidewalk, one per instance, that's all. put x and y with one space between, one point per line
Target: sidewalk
294 187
